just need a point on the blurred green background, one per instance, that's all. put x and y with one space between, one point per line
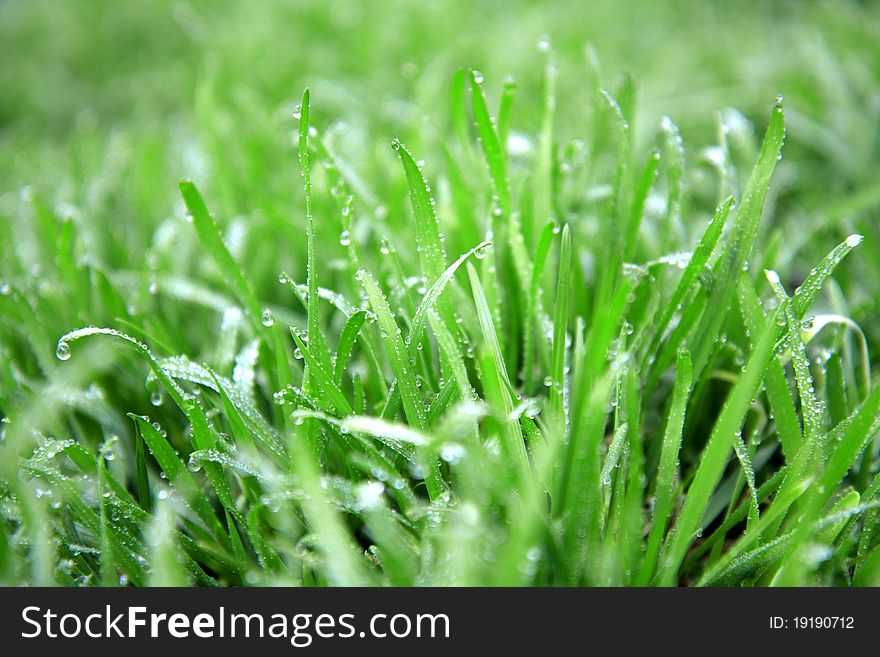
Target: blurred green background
104 105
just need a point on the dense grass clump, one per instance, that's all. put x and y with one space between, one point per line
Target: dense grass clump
540 338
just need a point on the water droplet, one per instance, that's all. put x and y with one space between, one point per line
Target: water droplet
452 453
854 240
62 351
478 77
482 252
772 276
157 398
345 238
266 318
544 44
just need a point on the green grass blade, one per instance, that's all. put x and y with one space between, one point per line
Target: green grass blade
316 338
664 487
346 343
323 380
716 454
209 236
398 356
560 329
499 379
778 393
741 239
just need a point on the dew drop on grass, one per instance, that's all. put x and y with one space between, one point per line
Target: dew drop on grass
482 252
544 44
345 238
62 351
478 77
266 318
157 398
854 240
452 453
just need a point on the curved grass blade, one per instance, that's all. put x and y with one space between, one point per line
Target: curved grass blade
346 342
429 301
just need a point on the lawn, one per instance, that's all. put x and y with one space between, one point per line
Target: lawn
446 293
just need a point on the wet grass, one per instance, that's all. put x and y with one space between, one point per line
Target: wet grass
424 324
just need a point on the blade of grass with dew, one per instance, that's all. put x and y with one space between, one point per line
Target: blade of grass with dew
323 380
347 338
851 440
740 240
514 441
429 241
716 453
633 516
514 266
560 331
435 292
398 356
316 338
505 106
637 205
664 486
209 236
689 277
344 565
534 310
578 501
775 382
177 473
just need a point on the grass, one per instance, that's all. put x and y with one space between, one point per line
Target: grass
428 325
